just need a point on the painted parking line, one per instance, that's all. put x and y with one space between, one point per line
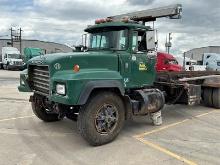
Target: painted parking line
140 137
15 118
171 125
166 151
160 129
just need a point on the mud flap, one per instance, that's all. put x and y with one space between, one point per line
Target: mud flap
194 94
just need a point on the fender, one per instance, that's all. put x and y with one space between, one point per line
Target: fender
99 84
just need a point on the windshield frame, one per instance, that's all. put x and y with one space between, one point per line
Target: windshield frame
94 33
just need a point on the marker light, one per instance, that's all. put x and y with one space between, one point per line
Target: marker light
76 68
109 19
102 20
97 21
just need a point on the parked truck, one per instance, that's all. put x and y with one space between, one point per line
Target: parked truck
211 61
189 64
167 62
10 58
114 80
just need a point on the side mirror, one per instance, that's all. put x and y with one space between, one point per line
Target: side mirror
150 40
84 41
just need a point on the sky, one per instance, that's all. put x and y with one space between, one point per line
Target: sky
63 21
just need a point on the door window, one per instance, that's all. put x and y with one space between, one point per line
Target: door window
139 41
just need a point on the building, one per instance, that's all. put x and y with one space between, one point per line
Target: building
197 53
48 47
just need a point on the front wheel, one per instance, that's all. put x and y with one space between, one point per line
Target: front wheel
101 118
5 67
42 113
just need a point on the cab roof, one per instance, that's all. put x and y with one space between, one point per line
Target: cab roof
116 25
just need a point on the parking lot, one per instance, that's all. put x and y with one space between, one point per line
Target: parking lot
189 135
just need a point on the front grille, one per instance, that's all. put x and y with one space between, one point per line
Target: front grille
39 79
18 63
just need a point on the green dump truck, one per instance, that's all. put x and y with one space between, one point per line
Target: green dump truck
114 80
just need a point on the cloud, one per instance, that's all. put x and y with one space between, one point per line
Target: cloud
140 2
63 21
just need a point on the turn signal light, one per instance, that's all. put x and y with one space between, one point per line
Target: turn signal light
76 68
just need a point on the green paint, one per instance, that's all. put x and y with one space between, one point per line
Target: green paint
131 69
31 53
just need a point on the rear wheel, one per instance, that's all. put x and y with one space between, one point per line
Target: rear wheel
41 112
207 97
216 98
211 97
101 118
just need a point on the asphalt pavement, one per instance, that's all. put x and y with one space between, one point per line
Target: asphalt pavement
189 135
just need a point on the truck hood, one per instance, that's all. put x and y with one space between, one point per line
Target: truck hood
85 60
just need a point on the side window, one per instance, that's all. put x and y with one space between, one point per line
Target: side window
166 62
139 41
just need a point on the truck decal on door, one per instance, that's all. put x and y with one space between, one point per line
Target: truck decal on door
142 66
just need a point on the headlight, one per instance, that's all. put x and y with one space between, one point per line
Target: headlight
22 82
60 89
11 63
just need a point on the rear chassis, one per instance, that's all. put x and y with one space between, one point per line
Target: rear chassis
187 87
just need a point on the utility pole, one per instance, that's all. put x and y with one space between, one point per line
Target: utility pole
11 30
16 37
168 43
20 40
169 39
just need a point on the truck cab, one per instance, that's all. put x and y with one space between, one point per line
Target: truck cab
189 64
211 61
166 62
11 58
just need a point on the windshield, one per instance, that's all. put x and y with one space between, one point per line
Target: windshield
173 61
116 40
15 56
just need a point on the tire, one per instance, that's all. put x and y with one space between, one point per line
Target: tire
216 98
207 97
89 119
41 113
